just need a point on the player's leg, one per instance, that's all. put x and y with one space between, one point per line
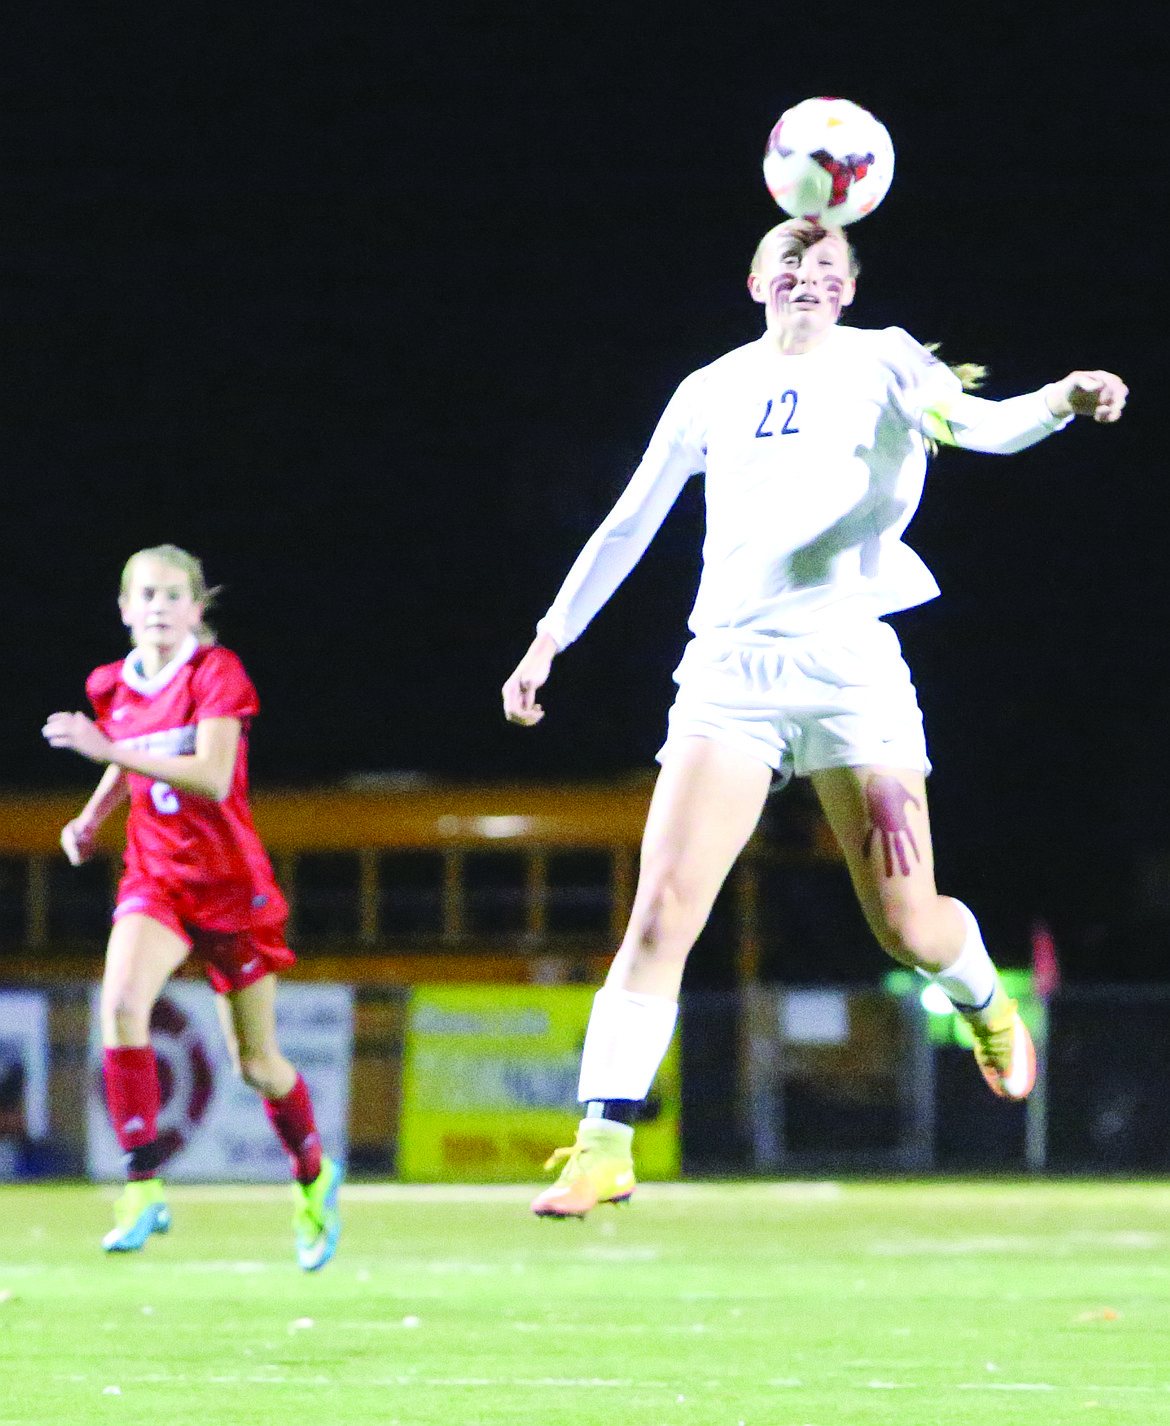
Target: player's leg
251 1014
706 803
262 1065
880 817
141 956
223 1013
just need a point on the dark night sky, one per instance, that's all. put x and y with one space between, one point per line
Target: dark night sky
374 307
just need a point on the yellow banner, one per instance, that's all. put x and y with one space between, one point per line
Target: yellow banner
490 1085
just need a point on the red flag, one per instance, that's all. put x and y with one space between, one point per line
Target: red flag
1045 965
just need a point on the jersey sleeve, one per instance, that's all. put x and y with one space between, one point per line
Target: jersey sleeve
996 427
222 689
923 383
939 408
99 689
677 450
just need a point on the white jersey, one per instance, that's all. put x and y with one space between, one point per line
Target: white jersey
814 467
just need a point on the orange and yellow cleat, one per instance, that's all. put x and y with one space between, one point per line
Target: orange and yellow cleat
1003 1048
597 1169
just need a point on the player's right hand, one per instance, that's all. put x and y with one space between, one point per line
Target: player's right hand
77 841
520 705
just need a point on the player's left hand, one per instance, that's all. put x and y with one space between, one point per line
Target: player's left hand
1099 394
76 731
77 841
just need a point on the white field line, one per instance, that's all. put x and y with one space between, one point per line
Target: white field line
275 1377
1006 1386
924 1246
503 1193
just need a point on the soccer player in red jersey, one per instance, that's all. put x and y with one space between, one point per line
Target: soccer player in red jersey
171 724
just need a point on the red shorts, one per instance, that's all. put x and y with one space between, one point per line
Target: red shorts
231 959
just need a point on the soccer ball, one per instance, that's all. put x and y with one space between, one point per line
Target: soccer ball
828 159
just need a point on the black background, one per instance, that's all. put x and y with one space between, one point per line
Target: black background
374 308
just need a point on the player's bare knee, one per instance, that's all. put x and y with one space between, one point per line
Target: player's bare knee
125 1017
908 935
260 1078
259 1072
671 919
270 1075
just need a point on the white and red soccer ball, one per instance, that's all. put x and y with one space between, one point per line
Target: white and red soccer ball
828 159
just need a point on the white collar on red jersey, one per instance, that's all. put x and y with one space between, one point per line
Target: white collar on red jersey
133 676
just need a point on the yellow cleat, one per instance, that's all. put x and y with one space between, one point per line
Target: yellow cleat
316 1218
1003 1048
597 1169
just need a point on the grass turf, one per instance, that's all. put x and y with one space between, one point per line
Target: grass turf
699 1305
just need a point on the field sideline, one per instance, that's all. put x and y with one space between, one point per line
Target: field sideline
788 1304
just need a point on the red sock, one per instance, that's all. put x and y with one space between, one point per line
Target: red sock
131 1077
292 1118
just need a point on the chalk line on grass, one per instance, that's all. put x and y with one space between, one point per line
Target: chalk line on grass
503 1193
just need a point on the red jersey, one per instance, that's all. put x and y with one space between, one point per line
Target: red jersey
203 851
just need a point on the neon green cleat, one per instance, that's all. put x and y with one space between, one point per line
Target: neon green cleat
1003 1047
316 1217
598 1169
140 1211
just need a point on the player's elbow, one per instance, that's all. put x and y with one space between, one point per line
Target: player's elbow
212 791
217 786
216 776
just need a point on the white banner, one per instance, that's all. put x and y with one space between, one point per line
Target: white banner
24 1064
216 1124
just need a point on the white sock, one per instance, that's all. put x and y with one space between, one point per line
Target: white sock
626 1041
970 982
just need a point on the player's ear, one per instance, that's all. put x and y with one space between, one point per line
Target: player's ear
756 287
122 611
848 293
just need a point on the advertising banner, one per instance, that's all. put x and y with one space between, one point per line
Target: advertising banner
490 1084
24 1065
213 1124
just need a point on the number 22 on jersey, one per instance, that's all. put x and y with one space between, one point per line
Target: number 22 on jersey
786 409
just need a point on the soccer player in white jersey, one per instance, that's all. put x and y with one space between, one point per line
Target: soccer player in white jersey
813 441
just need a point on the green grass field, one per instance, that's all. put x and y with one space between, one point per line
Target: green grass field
762 1304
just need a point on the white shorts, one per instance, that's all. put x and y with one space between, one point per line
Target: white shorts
832 699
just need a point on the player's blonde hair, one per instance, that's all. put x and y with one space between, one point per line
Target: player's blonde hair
971 376
970 373
806 231
176 558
